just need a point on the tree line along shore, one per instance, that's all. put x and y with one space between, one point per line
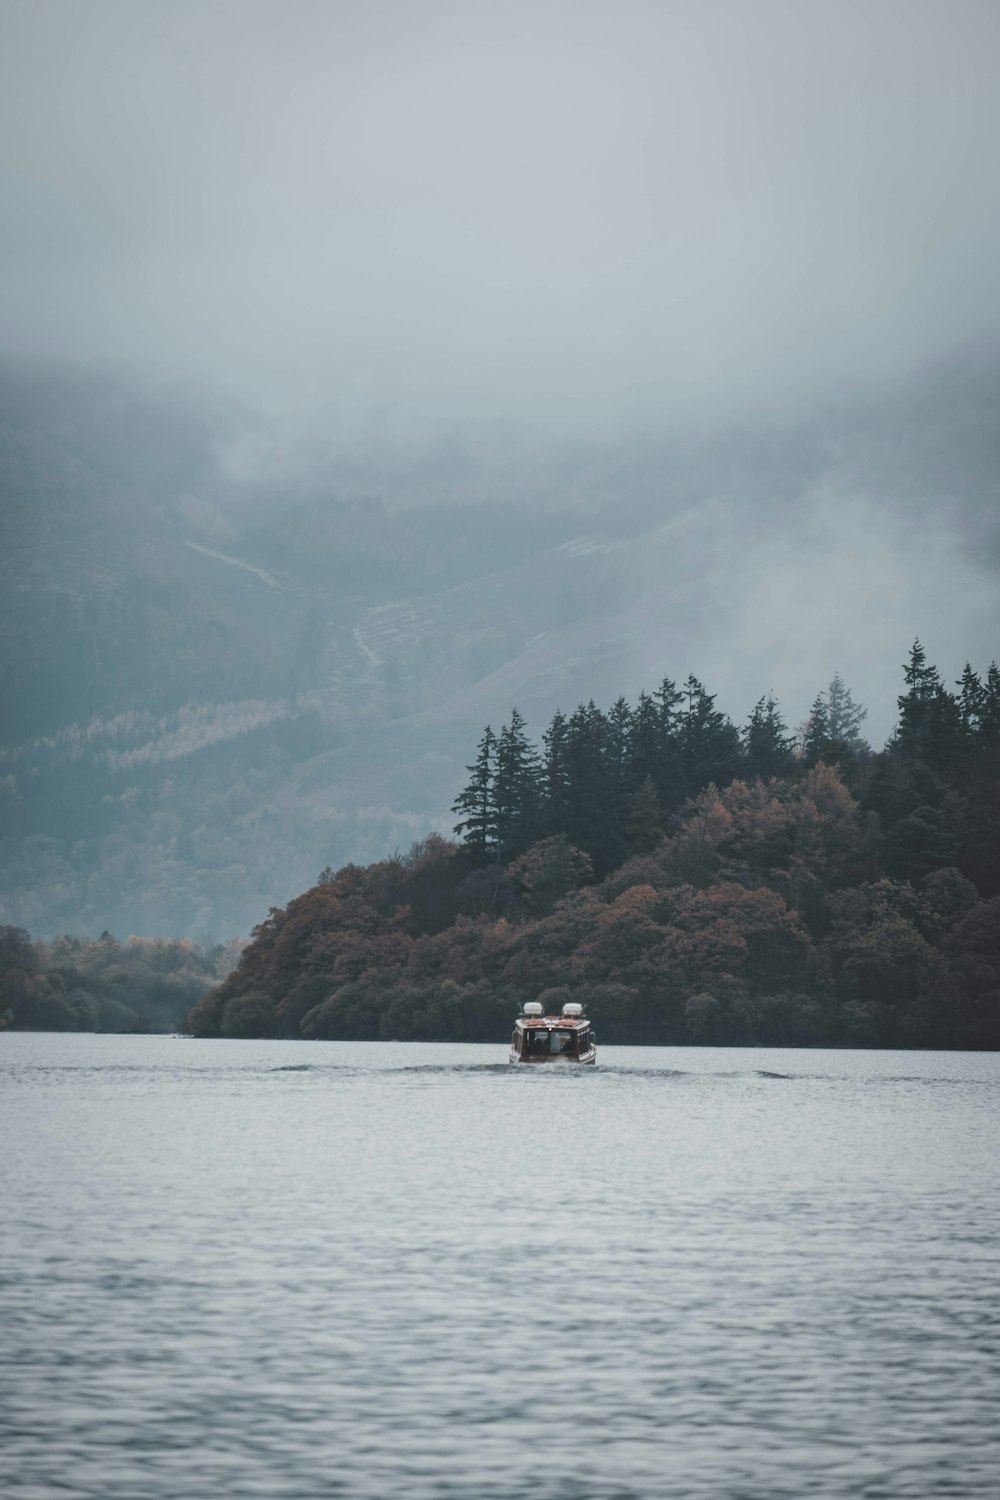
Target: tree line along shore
100 984
687 880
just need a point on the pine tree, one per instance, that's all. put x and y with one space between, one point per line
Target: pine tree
947 741
845 717
923 685
591 822
766 742
555 775
989 719
668 702
669 772
710 744
971 700
816 732
931 727
477 802
517 787
620 721
832 731
645 741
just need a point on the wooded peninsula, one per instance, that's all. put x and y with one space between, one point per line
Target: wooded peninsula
687 880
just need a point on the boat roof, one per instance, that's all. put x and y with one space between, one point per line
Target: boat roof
547 1022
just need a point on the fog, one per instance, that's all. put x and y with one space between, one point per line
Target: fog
368 369
564 213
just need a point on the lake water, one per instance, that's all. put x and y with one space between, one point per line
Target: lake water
303 1270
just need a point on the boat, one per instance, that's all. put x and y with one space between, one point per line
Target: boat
566 1038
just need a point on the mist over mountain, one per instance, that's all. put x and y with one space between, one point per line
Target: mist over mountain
369 369
219 680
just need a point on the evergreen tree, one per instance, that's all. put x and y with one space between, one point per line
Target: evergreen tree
816 732
620 731
709 743
766 741
833 730
555 774
947 740
971 700
591 823
669 699
844 716
989 719
669 772
646 742
517 787
923 684
477 802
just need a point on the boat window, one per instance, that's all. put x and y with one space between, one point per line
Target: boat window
561 1042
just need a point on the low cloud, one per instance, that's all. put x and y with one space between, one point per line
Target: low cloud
557 212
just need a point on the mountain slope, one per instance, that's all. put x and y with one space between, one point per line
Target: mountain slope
215 686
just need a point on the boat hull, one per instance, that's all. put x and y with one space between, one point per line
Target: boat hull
587 1061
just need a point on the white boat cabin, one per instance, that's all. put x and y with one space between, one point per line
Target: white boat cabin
538 1038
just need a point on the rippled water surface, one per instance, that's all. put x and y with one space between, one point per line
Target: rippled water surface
380 1270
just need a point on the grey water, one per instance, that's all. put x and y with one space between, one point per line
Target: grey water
233 1268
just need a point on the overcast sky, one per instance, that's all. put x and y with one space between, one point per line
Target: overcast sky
522 207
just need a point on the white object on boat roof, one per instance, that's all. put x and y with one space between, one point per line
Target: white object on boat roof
572 1008
532 1008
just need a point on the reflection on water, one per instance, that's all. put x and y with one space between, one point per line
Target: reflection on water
308 1270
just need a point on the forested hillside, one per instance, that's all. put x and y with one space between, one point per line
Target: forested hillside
688 880
77 984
